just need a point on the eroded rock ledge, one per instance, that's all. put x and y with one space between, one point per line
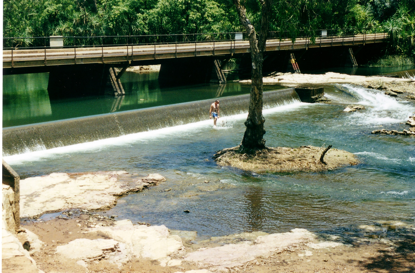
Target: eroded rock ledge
90 191
282 159
404 132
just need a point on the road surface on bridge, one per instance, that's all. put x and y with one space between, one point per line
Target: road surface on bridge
132 53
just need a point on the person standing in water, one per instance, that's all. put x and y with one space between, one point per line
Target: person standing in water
214 111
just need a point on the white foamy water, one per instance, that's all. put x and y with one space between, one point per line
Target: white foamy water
124 140
380 108
395 192
378 156
408 76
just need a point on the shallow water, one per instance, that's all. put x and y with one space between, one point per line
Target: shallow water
224 201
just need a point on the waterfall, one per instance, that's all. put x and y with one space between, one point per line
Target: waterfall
381 108
22 139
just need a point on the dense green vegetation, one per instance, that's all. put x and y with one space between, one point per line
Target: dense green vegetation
37 18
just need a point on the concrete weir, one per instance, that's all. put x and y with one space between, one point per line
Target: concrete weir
17 140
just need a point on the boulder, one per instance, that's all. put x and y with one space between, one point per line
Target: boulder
353 108
411 121
391 93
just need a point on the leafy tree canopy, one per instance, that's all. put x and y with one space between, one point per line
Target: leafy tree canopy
37 18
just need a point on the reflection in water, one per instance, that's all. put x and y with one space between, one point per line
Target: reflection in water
26 99
221 88
28 96
117 103
255 208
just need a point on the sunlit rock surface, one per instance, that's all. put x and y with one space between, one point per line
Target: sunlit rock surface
234 255
284 159
126 241
14 257
8 221
96 250
388 84
61 191
353 108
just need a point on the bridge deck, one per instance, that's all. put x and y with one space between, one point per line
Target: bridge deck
130 53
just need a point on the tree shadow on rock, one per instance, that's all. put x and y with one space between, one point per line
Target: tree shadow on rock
400 258
394 241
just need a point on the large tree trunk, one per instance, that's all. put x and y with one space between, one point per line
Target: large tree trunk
253 138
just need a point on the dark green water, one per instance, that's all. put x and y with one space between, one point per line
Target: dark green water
382 187
26 100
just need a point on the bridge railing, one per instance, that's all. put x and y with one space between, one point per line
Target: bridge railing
10 43
13 43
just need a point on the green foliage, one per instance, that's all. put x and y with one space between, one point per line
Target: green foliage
392 61
187 16
289 18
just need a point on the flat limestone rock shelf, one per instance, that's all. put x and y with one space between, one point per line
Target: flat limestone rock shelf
282 159
90 191
405 87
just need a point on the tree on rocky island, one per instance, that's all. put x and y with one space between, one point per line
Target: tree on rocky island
252 154
253 139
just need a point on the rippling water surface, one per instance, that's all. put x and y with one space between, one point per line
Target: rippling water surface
224 201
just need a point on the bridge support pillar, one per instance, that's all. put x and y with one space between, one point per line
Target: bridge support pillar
185 71
115 80
220 75
77 81
352 57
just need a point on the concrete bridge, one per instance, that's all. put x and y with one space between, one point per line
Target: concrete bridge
74 70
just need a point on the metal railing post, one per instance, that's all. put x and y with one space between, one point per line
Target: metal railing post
353 38
320 41
343 38
127 46
45 52
175 47
102 50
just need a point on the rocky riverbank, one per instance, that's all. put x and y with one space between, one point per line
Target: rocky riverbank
390 85
63 191
79 240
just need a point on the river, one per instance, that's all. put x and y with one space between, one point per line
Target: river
221 200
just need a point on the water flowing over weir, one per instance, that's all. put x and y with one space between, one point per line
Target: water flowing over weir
17 140
223 201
